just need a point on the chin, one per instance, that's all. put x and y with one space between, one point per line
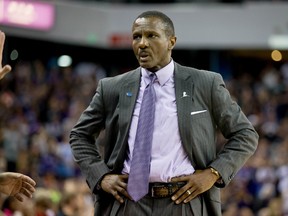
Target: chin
144 65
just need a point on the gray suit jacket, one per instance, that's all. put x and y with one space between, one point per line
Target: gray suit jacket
196 90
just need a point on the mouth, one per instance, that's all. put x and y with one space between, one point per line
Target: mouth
143 56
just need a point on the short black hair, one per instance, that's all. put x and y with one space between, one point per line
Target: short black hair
169 26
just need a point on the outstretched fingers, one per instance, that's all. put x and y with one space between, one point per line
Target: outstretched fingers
7 68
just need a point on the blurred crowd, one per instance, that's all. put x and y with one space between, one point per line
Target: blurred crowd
40 103
261 186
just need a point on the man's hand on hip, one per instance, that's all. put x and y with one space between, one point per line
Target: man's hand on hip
197 183
116 185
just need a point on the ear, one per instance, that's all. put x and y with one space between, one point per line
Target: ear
172 42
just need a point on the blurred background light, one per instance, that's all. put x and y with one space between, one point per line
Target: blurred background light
14 55
64 61
278 41
27 14
276 55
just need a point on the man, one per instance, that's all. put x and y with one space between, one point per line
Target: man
185 169
12 183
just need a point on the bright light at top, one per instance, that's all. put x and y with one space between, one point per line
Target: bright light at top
27 13
21 12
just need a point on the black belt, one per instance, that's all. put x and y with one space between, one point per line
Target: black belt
162 189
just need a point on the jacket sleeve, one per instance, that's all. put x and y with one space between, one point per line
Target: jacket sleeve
83 143
242 139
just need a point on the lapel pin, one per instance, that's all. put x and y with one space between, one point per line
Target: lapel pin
129 94
185 95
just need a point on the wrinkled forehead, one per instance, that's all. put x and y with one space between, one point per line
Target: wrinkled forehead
148 23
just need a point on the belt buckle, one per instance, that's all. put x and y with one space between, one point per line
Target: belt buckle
164 190
152 190
156 191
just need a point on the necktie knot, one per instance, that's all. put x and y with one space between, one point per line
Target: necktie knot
152 77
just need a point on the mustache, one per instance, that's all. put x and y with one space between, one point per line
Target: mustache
142 53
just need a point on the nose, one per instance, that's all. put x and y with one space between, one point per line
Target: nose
144 42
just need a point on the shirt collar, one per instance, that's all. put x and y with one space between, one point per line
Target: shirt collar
163 75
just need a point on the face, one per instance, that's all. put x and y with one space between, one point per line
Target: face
151 46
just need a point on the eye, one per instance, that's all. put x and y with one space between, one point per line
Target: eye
136 37
152 35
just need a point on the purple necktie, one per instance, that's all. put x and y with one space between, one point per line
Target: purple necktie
138 181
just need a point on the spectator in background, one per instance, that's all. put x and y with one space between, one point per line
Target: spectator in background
69 204
11 183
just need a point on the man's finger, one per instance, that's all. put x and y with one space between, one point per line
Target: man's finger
19 197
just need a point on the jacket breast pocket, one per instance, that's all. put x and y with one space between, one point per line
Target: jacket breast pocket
199 114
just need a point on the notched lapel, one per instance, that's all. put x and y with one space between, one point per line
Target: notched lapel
184 89
127 99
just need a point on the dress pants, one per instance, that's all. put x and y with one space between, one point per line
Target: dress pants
148 206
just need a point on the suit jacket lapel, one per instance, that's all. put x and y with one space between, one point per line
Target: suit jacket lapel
184 88
127 99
